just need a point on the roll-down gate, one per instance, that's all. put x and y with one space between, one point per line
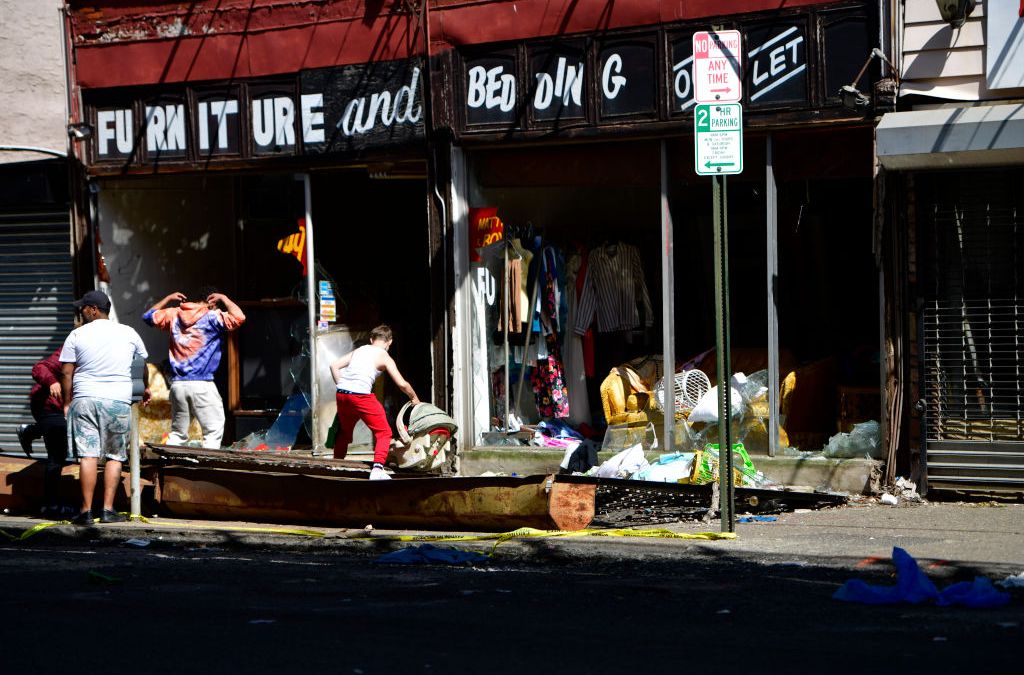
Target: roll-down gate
971 245
36 291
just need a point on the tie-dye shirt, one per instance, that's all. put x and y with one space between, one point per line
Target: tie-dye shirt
197 334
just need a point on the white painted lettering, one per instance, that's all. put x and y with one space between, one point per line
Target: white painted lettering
758 77
777 60
220 110
545 92
312 118
123 125
204 126
361 114
476 94
491 88
380 103
409 115
165 127
612 84
350 127
284 121
263 121
105 131
682 82
566 84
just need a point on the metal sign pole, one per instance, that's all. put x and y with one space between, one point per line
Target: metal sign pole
311 307
134 460
668 310
722 347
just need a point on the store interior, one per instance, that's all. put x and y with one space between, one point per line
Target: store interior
587 198
231 232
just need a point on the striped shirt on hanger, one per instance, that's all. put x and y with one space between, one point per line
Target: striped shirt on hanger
613 288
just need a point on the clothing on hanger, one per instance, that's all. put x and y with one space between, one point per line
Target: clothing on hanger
614 291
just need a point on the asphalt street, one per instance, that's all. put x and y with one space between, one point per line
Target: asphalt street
174 595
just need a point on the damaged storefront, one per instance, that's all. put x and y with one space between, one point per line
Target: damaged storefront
291 178
568 150
952 154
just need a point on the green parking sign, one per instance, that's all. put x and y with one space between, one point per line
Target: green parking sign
718 138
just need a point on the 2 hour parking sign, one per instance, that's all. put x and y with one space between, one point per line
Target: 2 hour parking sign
718 138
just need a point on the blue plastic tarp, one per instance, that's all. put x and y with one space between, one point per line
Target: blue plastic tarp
427 553
912 586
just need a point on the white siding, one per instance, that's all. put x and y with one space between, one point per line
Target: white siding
944 63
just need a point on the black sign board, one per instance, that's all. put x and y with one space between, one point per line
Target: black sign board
314 112
626 78
491 90
776 63
166 124
355 107
615 77
556 82
681 77
218 122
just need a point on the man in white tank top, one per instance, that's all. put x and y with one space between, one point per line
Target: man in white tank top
355 374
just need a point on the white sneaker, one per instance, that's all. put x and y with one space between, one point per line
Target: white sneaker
379 474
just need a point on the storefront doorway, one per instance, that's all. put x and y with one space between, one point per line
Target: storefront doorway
244 235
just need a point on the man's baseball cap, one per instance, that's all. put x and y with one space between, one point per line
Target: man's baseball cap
97 299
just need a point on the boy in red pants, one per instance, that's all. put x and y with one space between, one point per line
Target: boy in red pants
355 374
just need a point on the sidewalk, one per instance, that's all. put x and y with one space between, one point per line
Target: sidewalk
986 536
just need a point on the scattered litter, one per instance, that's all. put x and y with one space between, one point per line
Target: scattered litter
138 543
262 621
368 528
914 587
103 579
623 464
1012 581
427 553
888 499
863 441
794 563
757 519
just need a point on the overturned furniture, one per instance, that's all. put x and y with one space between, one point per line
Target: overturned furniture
192 483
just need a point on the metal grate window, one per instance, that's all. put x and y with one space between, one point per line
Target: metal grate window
972 317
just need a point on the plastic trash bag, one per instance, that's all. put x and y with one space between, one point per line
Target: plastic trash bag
912 586
623 464
863 441
706 409
675 467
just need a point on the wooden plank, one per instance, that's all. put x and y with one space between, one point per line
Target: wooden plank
496 504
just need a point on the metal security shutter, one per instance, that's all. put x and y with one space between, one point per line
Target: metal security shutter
972 330
35 315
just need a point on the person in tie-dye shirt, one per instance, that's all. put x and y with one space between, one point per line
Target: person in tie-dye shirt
197 335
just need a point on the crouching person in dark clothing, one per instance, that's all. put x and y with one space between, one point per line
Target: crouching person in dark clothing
47 405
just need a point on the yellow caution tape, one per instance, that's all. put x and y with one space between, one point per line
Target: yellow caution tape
497 538
230 528
34 530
